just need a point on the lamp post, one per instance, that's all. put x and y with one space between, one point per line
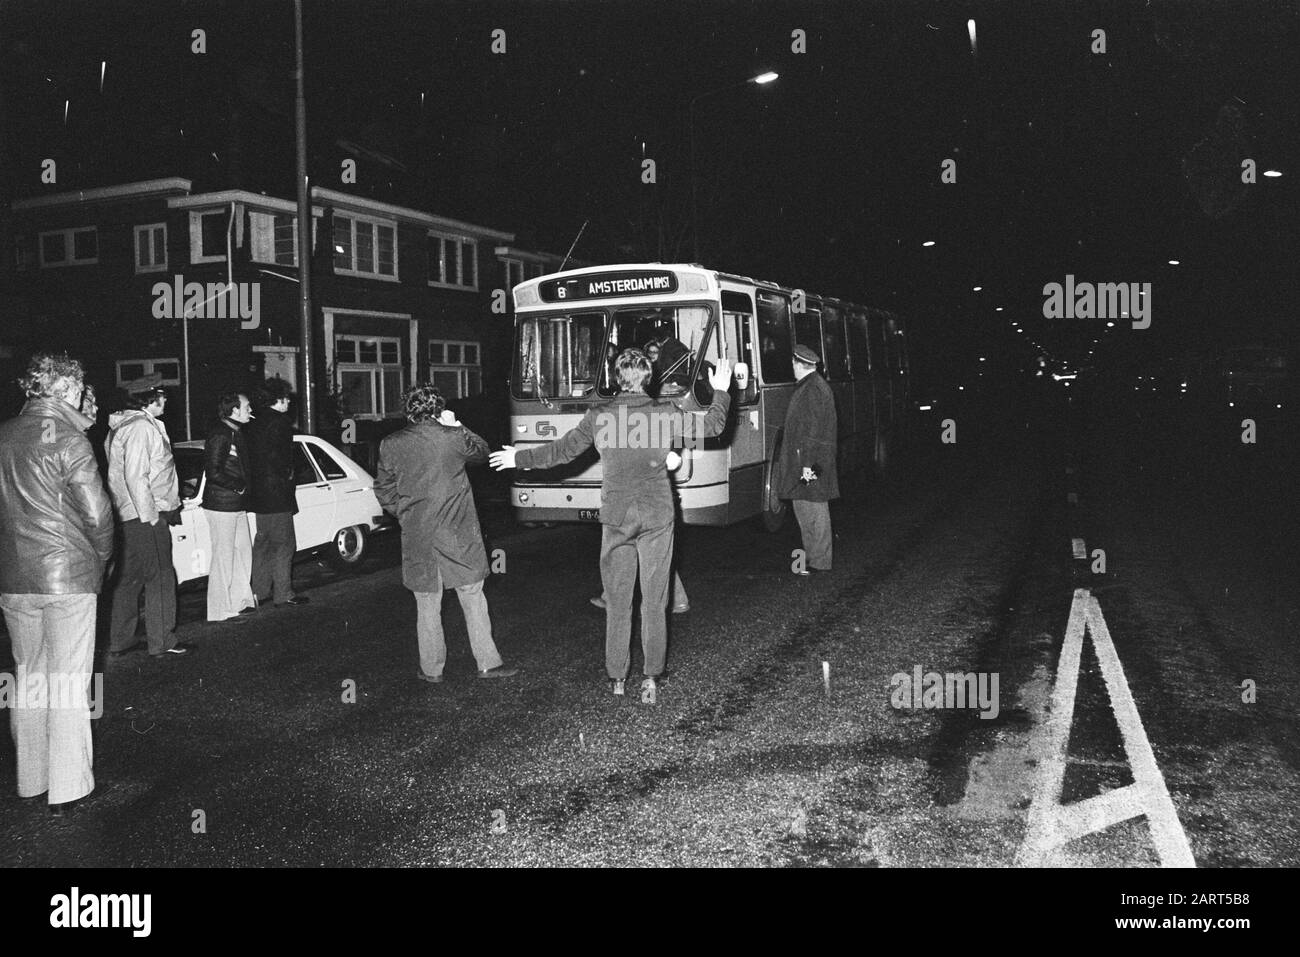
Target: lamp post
761 80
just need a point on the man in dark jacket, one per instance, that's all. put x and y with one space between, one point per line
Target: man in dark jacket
634 434
225 503
805 467
273 496
56 534
421 479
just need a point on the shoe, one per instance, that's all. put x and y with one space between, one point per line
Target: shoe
432 679
803 572
248 611
60 810
598 601
173 650
616 685
500 671
681 609
125 651
297 600
648 684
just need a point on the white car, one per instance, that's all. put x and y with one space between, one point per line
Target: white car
336 506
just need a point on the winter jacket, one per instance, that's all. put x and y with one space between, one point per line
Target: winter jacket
632 461
421 479
270 448
809 439
56 521
225 464
141 471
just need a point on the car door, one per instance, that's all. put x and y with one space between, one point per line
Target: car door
351 505
314 523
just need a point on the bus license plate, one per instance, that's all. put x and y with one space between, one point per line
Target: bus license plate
589 514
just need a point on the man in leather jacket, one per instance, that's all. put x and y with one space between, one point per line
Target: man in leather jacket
225 501
56 534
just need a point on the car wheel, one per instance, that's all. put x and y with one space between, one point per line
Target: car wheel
349 546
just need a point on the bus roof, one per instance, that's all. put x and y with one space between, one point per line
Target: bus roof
691 281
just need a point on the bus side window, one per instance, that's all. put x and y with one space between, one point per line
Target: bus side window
808 327
774 337
836 356
858 352
740 348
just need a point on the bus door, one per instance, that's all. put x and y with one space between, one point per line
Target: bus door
738 346
882 378
835 364
864 400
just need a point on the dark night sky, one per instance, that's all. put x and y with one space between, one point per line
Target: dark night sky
1101 165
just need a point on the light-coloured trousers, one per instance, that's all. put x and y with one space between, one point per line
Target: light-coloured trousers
428 628
229 591
629 551
52 635
815 527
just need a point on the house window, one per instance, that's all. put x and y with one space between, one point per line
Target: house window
534 270
370 375
69 247
151 248
365 247
514 273
454 368
208 236
453 261
128 370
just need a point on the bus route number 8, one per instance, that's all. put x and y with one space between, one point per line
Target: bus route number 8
560 292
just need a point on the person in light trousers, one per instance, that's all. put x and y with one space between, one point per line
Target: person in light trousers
225 502
421 480
56 535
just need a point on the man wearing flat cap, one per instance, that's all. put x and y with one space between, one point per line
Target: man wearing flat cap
146 500
805 466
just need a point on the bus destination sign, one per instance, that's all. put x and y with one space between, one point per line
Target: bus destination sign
604 285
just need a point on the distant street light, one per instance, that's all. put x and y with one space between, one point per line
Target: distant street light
761 80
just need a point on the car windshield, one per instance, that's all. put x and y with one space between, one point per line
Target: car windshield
189 470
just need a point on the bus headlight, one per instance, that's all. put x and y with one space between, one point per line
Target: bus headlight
523 498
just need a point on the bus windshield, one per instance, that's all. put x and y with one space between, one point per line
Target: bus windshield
558 356
564 355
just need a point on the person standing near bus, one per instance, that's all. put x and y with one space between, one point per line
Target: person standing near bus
636 500
805 467
421 480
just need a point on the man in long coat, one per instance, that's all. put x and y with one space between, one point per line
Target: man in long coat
805 466
273 496
421 479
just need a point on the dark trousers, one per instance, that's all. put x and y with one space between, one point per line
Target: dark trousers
146 563
622 548
273 552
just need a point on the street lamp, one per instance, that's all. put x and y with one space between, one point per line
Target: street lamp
761 80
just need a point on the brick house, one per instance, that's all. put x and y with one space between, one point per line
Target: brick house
130 278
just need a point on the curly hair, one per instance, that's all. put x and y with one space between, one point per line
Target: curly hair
424 402
272 391
51 374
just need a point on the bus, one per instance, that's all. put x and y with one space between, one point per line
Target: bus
570 326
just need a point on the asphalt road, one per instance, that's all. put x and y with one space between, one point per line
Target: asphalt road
251 751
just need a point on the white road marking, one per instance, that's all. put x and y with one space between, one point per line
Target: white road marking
1052 825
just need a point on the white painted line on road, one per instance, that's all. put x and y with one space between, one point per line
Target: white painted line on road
1052 825
1080 550
1166 830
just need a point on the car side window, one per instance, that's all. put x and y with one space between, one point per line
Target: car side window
330 468
304 473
